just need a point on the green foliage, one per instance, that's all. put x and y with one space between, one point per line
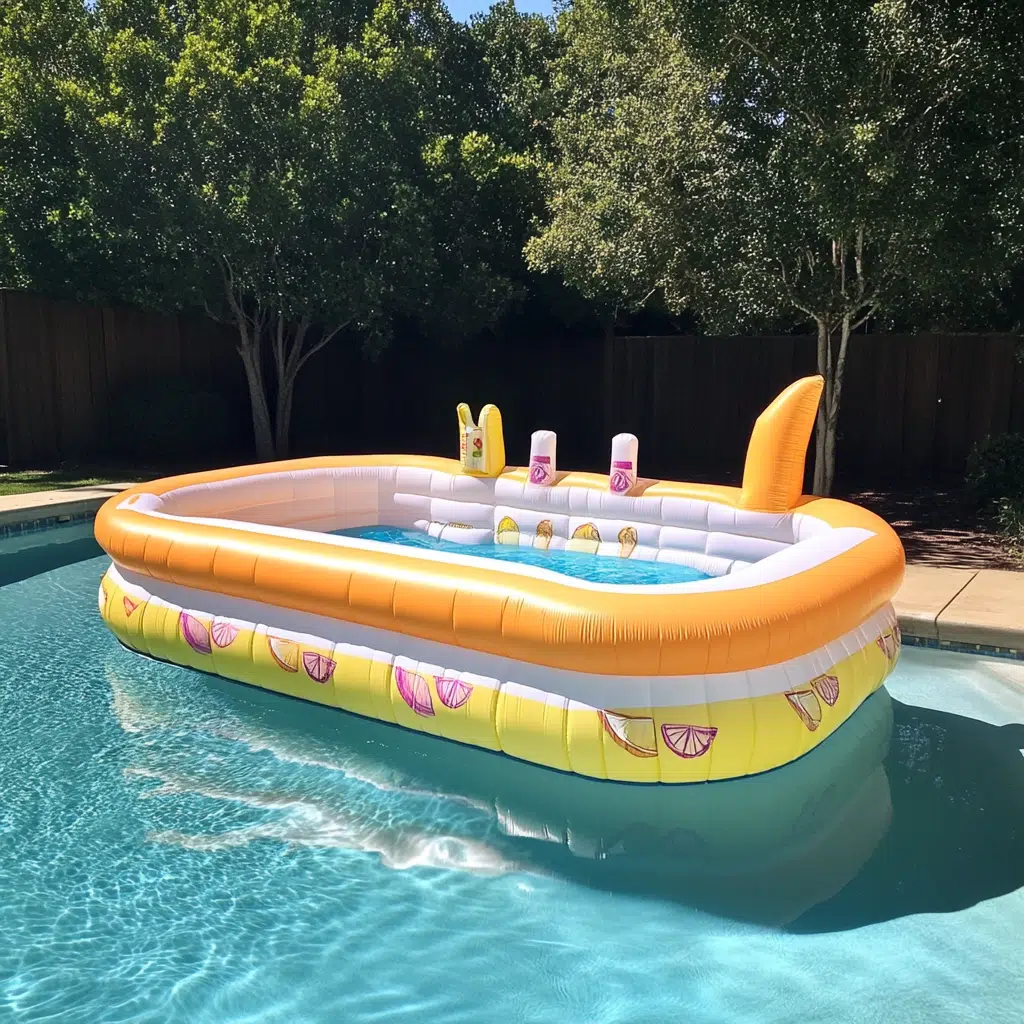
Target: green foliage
995 481
302 168
866 163
310 169
835 163
995 469
635 150
853 161
515 52
1010 515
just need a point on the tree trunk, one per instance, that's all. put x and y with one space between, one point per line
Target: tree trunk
830 456
289 354
826 434
283 418
836 390
261 426
821 433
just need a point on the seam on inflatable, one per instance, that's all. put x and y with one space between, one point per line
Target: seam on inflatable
753 727
565 735
501 715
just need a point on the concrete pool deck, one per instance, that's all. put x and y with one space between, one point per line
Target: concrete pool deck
937 607
62 504
983 607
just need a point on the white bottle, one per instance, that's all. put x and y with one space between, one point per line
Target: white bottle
622 476
542 457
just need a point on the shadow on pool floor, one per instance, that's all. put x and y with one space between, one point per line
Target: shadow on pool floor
957 833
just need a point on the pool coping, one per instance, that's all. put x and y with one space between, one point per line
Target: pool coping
973 611
41 510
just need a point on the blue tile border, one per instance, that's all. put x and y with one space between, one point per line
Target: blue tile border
962 648
44 523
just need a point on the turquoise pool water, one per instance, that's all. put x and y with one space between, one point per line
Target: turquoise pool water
180 848
578 564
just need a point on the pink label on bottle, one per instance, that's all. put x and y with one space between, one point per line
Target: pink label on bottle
622 465
540 469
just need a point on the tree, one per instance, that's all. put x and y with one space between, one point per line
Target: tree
632 144
841 164
302 169
307 183
44 50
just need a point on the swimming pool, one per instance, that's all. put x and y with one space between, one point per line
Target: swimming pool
577 564
178 847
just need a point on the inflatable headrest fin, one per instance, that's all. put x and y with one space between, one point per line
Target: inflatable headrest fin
481 446
773 475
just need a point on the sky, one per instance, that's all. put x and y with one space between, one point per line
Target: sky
462 9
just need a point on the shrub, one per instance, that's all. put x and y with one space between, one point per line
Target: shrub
170 420
995 469
1011 522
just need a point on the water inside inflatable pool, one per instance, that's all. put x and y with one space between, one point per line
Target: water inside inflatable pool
177 848
578 564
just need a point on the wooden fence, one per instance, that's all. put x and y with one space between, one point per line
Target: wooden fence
912 405
62 365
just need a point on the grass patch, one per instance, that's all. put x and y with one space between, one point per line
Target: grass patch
26 481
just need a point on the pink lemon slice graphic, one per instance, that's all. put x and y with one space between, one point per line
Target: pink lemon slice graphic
453 692
318 666
415 691
223 633
689 741
539 473
620 482
195 633
284 652
634 733
888 644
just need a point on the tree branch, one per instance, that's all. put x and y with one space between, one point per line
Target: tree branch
743 41
279 360
867 316
321 343
291 365
791 294
858 260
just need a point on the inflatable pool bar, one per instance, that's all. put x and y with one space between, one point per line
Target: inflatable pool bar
612 626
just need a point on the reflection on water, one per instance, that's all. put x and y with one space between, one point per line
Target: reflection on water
178 848
30 554
763 849
904 810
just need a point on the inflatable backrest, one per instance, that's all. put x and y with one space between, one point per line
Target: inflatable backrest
773 475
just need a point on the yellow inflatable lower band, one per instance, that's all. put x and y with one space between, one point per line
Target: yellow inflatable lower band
695 743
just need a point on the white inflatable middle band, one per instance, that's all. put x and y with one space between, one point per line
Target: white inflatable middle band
552 685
